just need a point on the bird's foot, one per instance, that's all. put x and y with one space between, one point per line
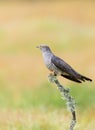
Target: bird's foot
51 77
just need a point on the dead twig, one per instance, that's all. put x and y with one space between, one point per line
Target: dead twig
66 96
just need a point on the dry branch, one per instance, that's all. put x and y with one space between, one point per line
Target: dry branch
69 99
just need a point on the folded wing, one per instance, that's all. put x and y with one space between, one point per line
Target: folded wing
67 71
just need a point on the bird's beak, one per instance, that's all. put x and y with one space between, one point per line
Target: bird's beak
40 47
37 46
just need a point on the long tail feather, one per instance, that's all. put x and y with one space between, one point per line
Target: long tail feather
79 79
83 78
71 78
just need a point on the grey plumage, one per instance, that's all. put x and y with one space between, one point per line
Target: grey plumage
59 66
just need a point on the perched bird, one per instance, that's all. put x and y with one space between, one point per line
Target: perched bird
59 66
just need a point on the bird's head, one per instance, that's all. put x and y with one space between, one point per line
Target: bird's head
43 48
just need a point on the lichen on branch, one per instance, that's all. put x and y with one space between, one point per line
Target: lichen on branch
65 92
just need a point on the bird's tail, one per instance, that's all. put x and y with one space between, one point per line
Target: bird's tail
79 78
71 78
84 78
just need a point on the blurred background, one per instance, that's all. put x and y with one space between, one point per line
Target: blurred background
27 100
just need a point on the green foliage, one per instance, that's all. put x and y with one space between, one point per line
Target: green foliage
47 96
84 96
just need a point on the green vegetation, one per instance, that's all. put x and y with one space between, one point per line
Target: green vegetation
45 96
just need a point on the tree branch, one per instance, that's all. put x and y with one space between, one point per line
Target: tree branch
65 92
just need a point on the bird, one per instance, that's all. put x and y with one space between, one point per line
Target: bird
59 67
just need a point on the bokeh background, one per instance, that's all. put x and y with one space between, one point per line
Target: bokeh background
27 100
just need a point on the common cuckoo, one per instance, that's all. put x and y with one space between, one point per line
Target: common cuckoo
59 66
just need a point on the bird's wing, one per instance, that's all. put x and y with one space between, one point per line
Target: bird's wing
64 67
67 71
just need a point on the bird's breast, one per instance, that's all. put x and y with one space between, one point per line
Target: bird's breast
47 59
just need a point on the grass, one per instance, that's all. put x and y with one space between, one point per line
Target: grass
45 95
42 108
27 100
41 119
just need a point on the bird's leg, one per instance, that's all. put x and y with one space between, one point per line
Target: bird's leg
55 74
